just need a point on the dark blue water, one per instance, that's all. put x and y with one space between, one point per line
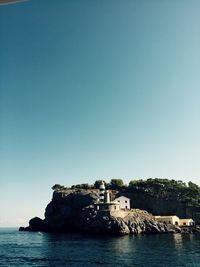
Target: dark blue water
42 249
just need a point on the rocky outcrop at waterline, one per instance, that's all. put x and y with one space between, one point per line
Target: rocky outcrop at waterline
74 211
134 222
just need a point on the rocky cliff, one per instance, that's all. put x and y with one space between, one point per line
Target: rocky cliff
162 206
73 211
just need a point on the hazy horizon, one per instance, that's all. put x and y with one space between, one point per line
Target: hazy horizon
95 90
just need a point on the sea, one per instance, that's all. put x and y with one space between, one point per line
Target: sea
44 249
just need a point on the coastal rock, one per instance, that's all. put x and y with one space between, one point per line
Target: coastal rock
63 212
162 205
196 229
74 211
97 223
35 224
135 222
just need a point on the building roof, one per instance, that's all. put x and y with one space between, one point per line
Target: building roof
168 216
122 197
186 219
106 204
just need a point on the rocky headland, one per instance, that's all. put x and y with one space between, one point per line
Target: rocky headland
73 210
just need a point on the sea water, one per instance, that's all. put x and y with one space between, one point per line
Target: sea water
43 249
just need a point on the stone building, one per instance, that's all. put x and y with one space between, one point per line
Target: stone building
171 219
186 222
175 220
124 202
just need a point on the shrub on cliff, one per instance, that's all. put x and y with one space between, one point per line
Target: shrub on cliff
98 183
58 187
81 186
116 184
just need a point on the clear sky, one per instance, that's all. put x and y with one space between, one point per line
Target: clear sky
95 89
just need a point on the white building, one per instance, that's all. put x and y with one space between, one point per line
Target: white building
124 202
186 222
173 219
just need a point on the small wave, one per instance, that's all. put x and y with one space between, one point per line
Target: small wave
27 259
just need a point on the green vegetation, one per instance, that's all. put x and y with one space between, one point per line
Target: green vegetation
116 184
168 189
58 187
98 183
157 188
81 186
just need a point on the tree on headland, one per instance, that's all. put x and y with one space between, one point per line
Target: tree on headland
116 184
168 189
98 183
58 187
193 186
81 186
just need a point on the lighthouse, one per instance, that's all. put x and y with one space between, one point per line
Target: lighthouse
107 197
102 192
104 203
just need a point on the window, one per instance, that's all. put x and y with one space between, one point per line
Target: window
126 207
184 223
118 200
125 201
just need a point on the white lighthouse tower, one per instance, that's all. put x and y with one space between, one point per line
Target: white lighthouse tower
107 197
104 204
102 192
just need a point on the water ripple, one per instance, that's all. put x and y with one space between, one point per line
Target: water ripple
30 249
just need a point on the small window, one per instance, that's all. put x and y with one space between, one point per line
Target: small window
115 207
118 200
126 207
169 222
184 223
125 201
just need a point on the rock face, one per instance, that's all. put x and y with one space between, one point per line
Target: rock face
135 222
73 211
63 213
162 206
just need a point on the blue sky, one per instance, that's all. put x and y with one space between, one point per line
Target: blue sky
95 89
